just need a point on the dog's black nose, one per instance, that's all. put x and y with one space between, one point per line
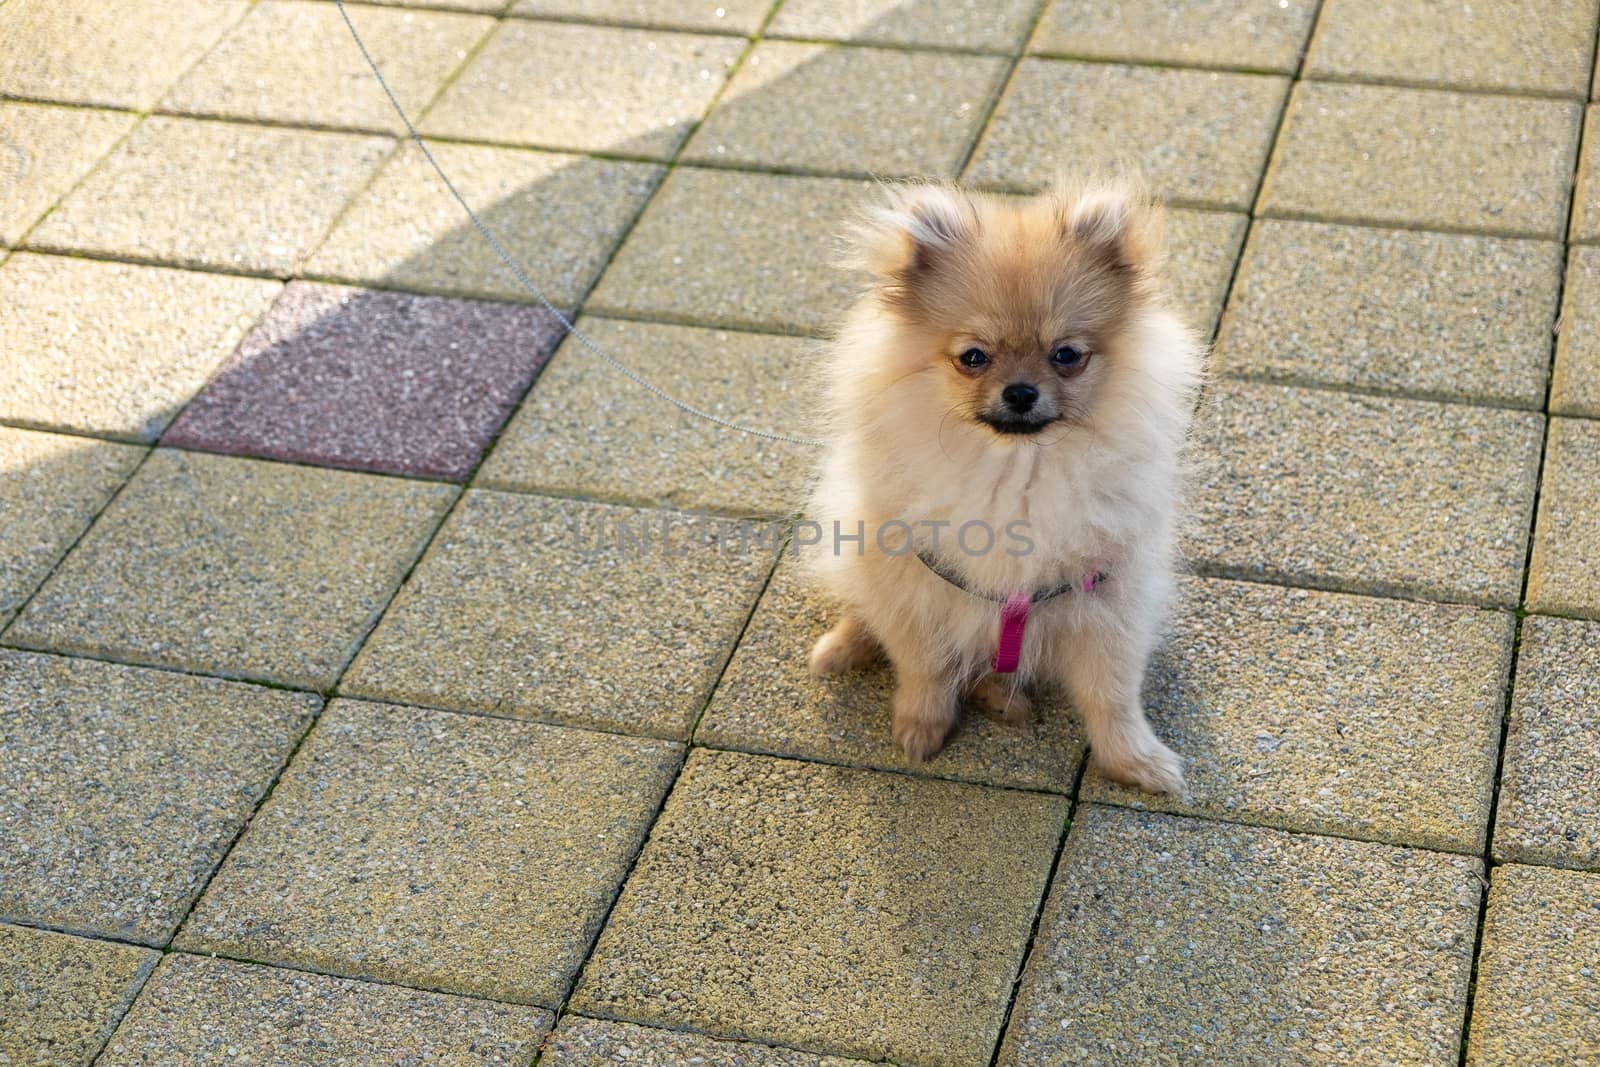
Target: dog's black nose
1019 396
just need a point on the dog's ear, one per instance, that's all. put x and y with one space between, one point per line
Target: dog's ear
1117 220
918 229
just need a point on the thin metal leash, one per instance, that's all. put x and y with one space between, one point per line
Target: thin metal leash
529 284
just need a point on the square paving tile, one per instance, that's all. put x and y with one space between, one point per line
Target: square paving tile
585 88
122 788
885 112
1421 157
1201 33
565 611
236 567
117 52
996 25
46 150
1538 990
1586 208
1330 713
1575 383
51 488
61 996
1398 311
294 61
768 701
213 194
1202 248
1564 574
725 16
580 1042
197 1010
112 348
1199 137
558 216
1170 939
1367 494
376 381
443 851
844 911
741 250
588 431
1549 812
1544 46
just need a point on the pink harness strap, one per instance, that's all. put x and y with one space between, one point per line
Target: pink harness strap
1014 624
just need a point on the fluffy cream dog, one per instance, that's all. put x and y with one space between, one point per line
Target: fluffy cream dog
1010 405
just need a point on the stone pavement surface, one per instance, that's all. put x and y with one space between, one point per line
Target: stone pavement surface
365 696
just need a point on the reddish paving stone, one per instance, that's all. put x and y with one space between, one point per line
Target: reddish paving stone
375 381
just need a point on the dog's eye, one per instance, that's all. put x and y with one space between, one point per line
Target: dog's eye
974 357
1069 358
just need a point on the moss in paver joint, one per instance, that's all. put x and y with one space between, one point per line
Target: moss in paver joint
1549 811
850 912
61 996
585 88
1398 311
442 851
197 1010
50 149
586 614
588 431
1330 713
1366 494
236 567
1199 137
1208 33
1243 946
123 787
768 701
1564 574
405 230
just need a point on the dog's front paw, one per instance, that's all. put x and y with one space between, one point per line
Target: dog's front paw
1144 763
920 738
1003 700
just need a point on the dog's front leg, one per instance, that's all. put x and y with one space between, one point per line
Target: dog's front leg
926 695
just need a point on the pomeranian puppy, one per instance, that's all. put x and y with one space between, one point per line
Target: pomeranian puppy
1010 403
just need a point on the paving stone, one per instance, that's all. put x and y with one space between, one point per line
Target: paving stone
236 567
1367 494
43 152
586 88
1548 811
1330 713
768 701
1420 157
117 52
1167 938
846 911
558 216
741 250
1401 311
997 25
61 996
588 431
294 61
213 194
372 380
886 112
1544 46
122 787
443 851
1564 574
51 488
725 16
1575 383
1538 988
1200 137
1202 248
197 1010
1207 33
112 348
1585 226
580 1042
565 611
